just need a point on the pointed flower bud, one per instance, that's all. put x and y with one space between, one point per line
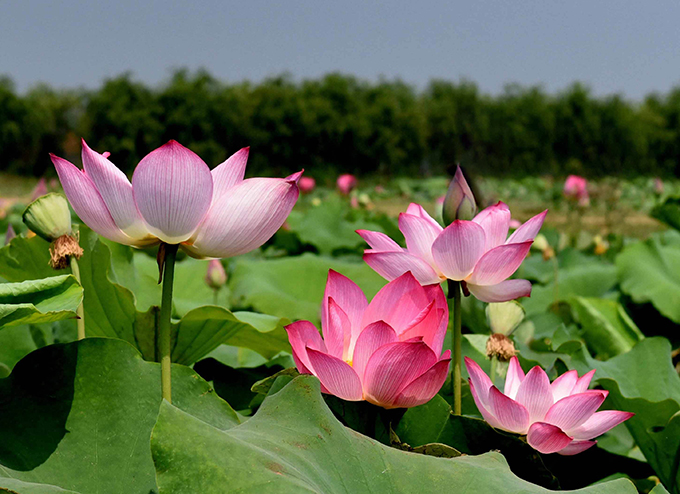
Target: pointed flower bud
49 217
504 317
459 203
216 276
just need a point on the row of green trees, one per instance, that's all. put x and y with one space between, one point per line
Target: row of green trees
340 124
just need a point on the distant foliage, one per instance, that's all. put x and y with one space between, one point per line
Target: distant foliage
340 124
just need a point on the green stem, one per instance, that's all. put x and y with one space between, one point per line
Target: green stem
494 364
216 297
455 295
80 312
164 335
556 276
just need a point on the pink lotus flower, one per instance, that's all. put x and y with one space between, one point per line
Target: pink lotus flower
215 276
175 198
307 185
576 189
39 190
475 252
346 183
558 417
386 352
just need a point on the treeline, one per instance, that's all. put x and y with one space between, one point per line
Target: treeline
340 124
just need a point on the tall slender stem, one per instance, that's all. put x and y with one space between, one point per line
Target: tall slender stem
455 295
80 312
164 335
216 300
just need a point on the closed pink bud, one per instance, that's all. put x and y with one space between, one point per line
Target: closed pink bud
346 183
459 202
216 276
388 352
558 417
307 185
576 189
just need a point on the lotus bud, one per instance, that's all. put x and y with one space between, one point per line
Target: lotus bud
504 317
10 234
459 203
346 183
49 217
39 190
216 276
501 347
307 185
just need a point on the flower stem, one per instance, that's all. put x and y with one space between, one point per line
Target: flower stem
494 365
455 295
80 312
216 300
164 336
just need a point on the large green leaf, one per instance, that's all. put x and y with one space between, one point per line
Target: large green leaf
668 212
14 486
79 416
645 382
39 301
593 279
293 287
650 272
26 259
606 327
294 444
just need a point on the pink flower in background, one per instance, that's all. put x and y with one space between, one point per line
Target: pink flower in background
387 352
558 417
346 183
39 190
307 185
576 189
478 252
215 276
175 198
515 224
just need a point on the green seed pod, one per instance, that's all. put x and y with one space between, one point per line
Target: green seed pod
504 317
48 216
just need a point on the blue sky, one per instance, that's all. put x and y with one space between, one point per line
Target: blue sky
624 47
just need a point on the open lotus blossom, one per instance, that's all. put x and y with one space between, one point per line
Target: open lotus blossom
558 417
576 189
346 183
477 253
387 352
175 198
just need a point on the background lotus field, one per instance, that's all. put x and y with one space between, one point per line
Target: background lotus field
87 416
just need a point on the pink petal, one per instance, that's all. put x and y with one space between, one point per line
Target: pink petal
398 303
349 298
379 241
528 230
419 234
513 378
562 386
583 382
486 414
576 447
87 202
546 438
480 380
535 394
426 325
116 191
417 210
393 367
229 173
374 336
511 415
173 189
435 292
303 334
391 265
423 388
496 223
337 331
499 263
574 410
337 376
599 423
501 292
246 217
458 248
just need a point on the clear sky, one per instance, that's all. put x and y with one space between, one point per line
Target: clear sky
629 47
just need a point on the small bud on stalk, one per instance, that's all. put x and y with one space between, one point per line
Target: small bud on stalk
216 276
459 203
49 217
